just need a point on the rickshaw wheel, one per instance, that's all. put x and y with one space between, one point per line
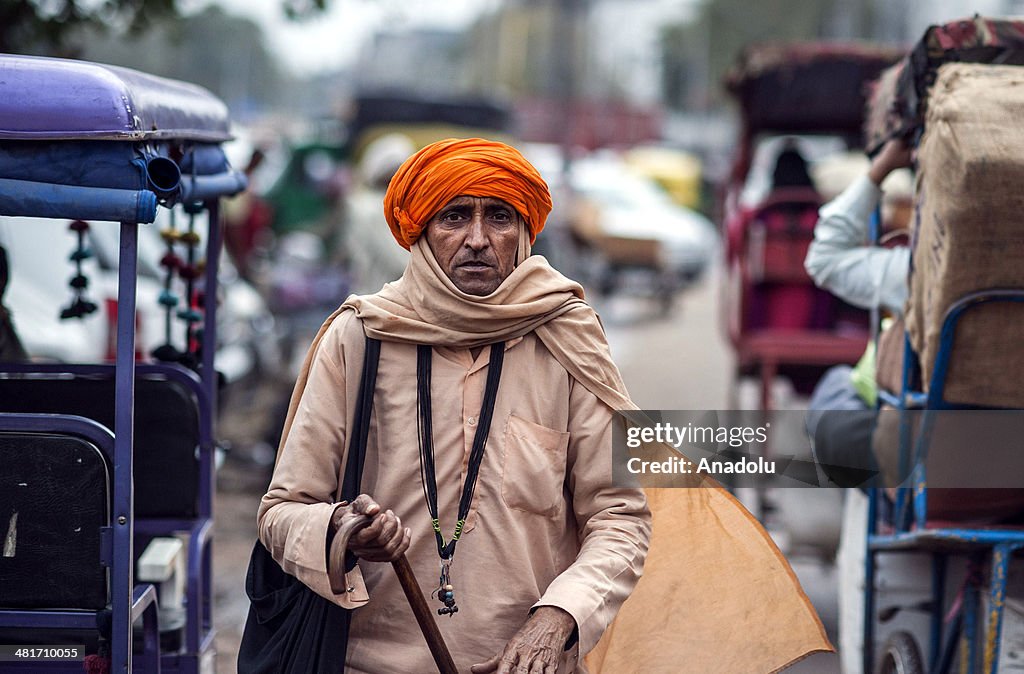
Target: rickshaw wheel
902 656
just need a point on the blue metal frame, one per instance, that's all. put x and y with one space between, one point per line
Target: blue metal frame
124 433
199 634
909 527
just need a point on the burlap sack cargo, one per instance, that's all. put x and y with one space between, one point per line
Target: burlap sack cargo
968 230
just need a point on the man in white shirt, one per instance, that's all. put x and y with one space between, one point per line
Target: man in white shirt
843 260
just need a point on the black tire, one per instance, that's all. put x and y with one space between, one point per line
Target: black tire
901 656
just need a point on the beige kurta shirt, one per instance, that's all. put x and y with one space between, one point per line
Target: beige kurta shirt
546 526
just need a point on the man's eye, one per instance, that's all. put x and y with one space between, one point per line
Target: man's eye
452 216
501 216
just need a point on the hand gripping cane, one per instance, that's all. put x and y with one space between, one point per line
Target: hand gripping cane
413 593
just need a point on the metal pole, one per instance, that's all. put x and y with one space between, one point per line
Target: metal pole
124 408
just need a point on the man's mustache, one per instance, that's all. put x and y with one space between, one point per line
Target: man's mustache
472 258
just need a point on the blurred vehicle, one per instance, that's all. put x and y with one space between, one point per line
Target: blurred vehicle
307 190
798 104
424 119
779 323
679 173
39 289
626 225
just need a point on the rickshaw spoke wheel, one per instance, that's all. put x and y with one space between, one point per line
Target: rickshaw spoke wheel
902 656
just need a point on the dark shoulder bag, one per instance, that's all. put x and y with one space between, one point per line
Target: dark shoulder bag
290 629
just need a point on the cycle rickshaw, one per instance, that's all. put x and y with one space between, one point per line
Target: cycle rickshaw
107 469
960 353
779 323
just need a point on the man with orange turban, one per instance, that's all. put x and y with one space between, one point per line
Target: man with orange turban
491 433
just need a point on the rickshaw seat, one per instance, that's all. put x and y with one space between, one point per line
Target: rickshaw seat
52 527
779 232
166 466
779 293
812 348
785 325
57 566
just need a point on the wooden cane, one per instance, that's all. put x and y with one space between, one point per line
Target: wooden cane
418 603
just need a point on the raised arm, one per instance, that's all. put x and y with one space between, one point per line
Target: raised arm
842 260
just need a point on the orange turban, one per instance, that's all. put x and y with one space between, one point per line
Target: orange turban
474 167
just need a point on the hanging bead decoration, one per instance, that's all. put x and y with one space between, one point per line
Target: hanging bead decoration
190 271
168 298
445 591
186 306
80 306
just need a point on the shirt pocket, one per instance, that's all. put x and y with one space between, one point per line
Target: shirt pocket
534 468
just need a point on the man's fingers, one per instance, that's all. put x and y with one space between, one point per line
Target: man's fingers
389 553
380 531
486 667
406 542
365 505
392 546
369 534
508 662
543 666
389 528
383 540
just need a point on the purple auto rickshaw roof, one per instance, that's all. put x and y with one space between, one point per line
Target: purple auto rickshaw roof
61 99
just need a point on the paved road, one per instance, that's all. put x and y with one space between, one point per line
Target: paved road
674 362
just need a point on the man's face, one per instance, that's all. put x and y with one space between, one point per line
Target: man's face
474 240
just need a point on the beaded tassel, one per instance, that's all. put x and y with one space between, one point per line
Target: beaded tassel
445 591
168 298
189 272
80 306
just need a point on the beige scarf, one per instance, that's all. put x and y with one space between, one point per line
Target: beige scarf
425 307
716 595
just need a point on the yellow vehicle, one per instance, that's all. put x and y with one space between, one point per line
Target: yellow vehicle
676 171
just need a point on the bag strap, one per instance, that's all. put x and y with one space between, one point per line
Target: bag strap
361 431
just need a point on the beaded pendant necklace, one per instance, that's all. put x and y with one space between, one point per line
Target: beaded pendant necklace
445 591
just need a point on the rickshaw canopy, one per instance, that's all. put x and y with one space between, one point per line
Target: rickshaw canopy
61 99
95 142
808 87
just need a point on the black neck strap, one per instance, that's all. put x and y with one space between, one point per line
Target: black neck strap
424 356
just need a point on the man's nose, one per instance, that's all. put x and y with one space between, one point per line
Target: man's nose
476 236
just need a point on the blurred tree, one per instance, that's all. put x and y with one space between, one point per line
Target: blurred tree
50 26
301 9
47 25
696 55
192 48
